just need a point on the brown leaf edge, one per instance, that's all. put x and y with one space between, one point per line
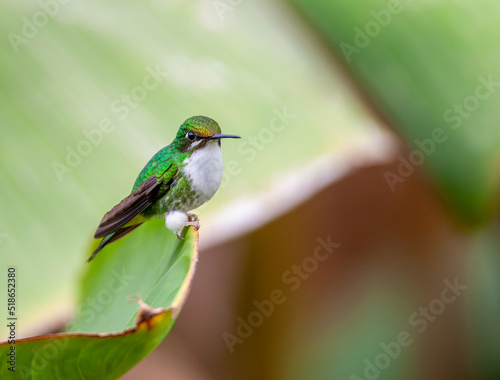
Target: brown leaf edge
148 322
157 327
147 317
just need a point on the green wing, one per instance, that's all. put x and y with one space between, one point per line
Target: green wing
126 215
159 165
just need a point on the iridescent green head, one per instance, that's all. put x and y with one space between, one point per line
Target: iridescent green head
197 131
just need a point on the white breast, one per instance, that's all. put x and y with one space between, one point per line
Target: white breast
204 170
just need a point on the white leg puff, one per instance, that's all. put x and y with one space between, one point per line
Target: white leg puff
175 221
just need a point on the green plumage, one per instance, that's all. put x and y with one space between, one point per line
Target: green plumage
162 187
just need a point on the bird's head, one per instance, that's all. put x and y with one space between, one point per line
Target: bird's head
198 132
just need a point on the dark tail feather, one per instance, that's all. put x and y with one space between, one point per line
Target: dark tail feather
121 232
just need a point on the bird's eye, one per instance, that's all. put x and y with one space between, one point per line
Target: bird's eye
190 136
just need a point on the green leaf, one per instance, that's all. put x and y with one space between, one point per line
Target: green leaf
84 356
60 88
151 264
431 67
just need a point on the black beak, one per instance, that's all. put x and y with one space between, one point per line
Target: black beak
218 136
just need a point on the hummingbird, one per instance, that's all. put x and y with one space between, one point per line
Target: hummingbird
179 178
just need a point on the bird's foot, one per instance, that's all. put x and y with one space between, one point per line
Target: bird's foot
192 220
192 217
176 221
194 223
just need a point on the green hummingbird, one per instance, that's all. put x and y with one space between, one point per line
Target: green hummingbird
179 178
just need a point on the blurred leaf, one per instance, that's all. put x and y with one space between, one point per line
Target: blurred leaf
432 68
78 125
351 347
483 302
139 265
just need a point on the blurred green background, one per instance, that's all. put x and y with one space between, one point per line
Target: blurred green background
371 125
